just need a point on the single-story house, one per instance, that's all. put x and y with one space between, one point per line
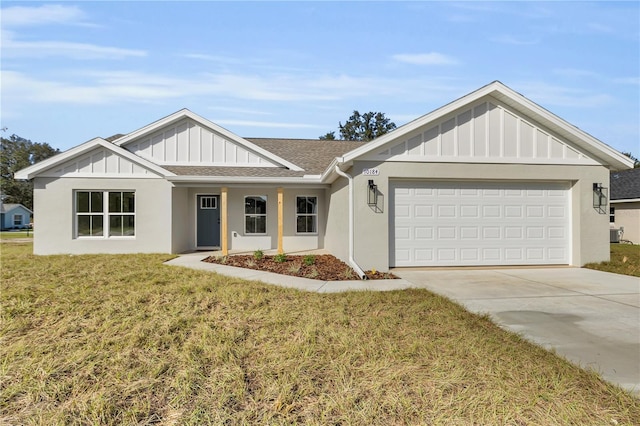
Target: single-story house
14 216
625 203
489 179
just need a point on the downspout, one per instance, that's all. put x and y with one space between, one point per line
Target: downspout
352 261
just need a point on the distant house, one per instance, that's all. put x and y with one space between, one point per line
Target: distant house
14 216
489 179
625 203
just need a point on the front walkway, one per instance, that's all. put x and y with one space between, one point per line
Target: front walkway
194 261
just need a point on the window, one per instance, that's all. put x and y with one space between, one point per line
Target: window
121 214
208 203
612 214
17 220
255 215
105 213
306 215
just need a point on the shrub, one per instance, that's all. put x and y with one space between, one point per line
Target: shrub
309 259
280 257
294 268
348 273
258 254
313 274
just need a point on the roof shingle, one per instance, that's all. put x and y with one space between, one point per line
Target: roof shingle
312 155
625 184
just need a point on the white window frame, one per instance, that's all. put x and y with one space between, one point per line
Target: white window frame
612 214
306 214
14 220
105 213
265 214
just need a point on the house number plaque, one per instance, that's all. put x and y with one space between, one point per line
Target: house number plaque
371 172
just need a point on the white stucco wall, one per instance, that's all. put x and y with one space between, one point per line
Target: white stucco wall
55 227
337 233
182 230
590 230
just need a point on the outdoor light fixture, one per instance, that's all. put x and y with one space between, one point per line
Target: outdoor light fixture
372 195
600 197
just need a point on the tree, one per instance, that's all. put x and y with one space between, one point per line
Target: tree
329 136
17 153
636 162
365 127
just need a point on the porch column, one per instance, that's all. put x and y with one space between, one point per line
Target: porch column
223 224
280 218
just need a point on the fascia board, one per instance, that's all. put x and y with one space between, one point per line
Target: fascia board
329 175
31 171
17 207
185 113
243 179
580 137
419 122
498 90
625 200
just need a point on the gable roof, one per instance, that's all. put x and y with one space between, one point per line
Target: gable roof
598 149
625 185
312 155
185 113
6 208
31 171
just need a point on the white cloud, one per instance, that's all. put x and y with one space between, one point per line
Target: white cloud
432 58
39 49
212 58
549 94
41 15
106 87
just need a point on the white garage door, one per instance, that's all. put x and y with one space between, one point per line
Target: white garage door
479 223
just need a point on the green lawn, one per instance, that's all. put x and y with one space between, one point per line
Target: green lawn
10 235
123 339
625 259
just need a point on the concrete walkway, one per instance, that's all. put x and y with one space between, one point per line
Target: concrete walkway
194 261
592 318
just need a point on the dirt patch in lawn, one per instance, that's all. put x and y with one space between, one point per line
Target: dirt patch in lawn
323 267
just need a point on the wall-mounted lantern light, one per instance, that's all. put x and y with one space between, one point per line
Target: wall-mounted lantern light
600 196
372 193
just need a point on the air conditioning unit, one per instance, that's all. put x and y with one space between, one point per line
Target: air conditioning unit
614 235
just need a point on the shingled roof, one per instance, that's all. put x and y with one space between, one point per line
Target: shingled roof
625 185
312 155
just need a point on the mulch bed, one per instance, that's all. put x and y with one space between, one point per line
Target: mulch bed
325 267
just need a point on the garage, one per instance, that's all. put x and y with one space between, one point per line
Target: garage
463 223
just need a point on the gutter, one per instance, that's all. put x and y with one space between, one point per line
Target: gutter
352 261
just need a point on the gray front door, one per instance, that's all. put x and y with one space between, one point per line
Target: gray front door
208 221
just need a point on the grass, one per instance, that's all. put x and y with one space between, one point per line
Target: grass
10 235
625 259
123 339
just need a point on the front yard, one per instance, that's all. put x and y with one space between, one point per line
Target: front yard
625 259
123 339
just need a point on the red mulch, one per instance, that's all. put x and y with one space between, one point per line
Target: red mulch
325 267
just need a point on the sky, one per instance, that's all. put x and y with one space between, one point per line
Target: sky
72 71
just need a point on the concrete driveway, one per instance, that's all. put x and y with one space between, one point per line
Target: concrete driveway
592 318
